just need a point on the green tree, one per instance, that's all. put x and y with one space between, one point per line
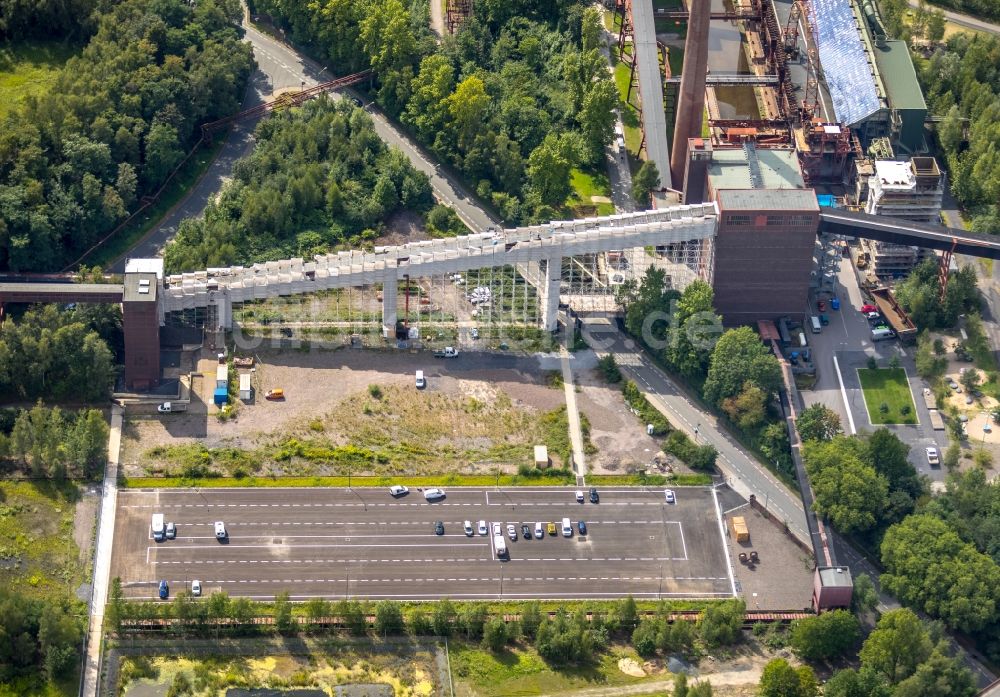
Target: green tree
696 328
865 596
317 609
748 409
444 617
825 636
939 676
848 683
283 620
531 618
739 357
644 181
935 25
896 647
495 634
779 679
853 497
163 152
388 618
468 107
627 614
970 379
591 28
818 422
473 620
548 169
720 624
352 614
597 117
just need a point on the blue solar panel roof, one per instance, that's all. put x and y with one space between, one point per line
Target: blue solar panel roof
845 65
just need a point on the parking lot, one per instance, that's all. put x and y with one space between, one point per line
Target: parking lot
363 543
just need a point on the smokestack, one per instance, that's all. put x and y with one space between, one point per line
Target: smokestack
691 104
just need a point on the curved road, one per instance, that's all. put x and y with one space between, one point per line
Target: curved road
962 20
281 68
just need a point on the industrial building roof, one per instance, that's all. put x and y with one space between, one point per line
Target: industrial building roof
777 169
833 576
145 266
846 69
899 76
768 200
140 287
654 122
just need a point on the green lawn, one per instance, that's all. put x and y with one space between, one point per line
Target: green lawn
585 185
521 671
887 386
29 68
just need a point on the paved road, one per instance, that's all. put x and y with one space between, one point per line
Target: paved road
745 475
362 543
963 20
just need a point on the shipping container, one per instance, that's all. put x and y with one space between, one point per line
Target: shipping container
245 387
221 396
222 375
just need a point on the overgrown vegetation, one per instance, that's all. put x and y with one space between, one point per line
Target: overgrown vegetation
52 443
29 69
118 119
516 100
318 177
919 294
54 355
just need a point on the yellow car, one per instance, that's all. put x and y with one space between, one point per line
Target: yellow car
551 527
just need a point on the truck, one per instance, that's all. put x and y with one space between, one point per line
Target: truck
158 528
500 545
447 352
740 530
937 423
172 407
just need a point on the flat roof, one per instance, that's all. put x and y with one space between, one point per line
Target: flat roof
70 290
140 287
893 174
730 169
654 119
768 200
834 576
898 76
145 266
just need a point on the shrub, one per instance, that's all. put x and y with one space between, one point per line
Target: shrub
872 363
608 368
375 391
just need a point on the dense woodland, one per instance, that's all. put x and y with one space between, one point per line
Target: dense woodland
120 118
515 100
70 20
37 637
318 177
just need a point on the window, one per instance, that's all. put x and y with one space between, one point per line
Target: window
738 220
776 220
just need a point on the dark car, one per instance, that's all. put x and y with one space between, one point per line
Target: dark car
526 531
438 528
164 590
356 102
582 527
594 498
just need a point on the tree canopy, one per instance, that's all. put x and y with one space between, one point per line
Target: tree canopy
738 359
116 122
318 177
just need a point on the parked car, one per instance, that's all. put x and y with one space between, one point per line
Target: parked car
821 305
438 527
512 533
868 308
164 590
497 529
579 497
171 531
539 531
526 531
551 527
932 456
594 498
469 532
582 527
668 494
398 490
434 494
275 394
482 527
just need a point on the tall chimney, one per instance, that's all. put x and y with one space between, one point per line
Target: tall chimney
691 104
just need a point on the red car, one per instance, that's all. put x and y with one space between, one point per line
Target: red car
868 308
821 305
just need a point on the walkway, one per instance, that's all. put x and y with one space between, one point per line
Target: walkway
573 414
102 558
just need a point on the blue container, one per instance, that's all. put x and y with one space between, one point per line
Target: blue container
826 201
221 396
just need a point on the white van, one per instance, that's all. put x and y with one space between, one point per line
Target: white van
157 526
567 528
817 327
220 530
421 383
881 333
500 545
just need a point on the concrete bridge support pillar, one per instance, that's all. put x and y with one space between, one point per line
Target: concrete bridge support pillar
390 293
550 293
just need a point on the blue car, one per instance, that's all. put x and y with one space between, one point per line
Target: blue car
582 527
164 590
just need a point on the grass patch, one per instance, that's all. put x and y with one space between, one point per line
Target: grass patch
175 191
630 116
557 478
36 538
887 395
30 69
521 671
586 185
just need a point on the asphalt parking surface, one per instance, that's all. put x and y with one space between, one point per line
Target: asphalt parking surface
362 543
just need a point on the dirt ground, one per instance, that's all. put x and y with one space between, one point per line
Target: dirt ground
619 435
84 519
318 384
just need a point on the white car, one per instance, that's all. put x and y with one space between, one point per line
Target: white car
497 530
482 527
668 494
398 490
196 588
539 531
932 457
434 494
512 533
579 497
468 529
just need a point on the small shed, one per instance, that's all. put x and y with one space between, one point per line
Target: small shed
221 396
245 387
541 456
